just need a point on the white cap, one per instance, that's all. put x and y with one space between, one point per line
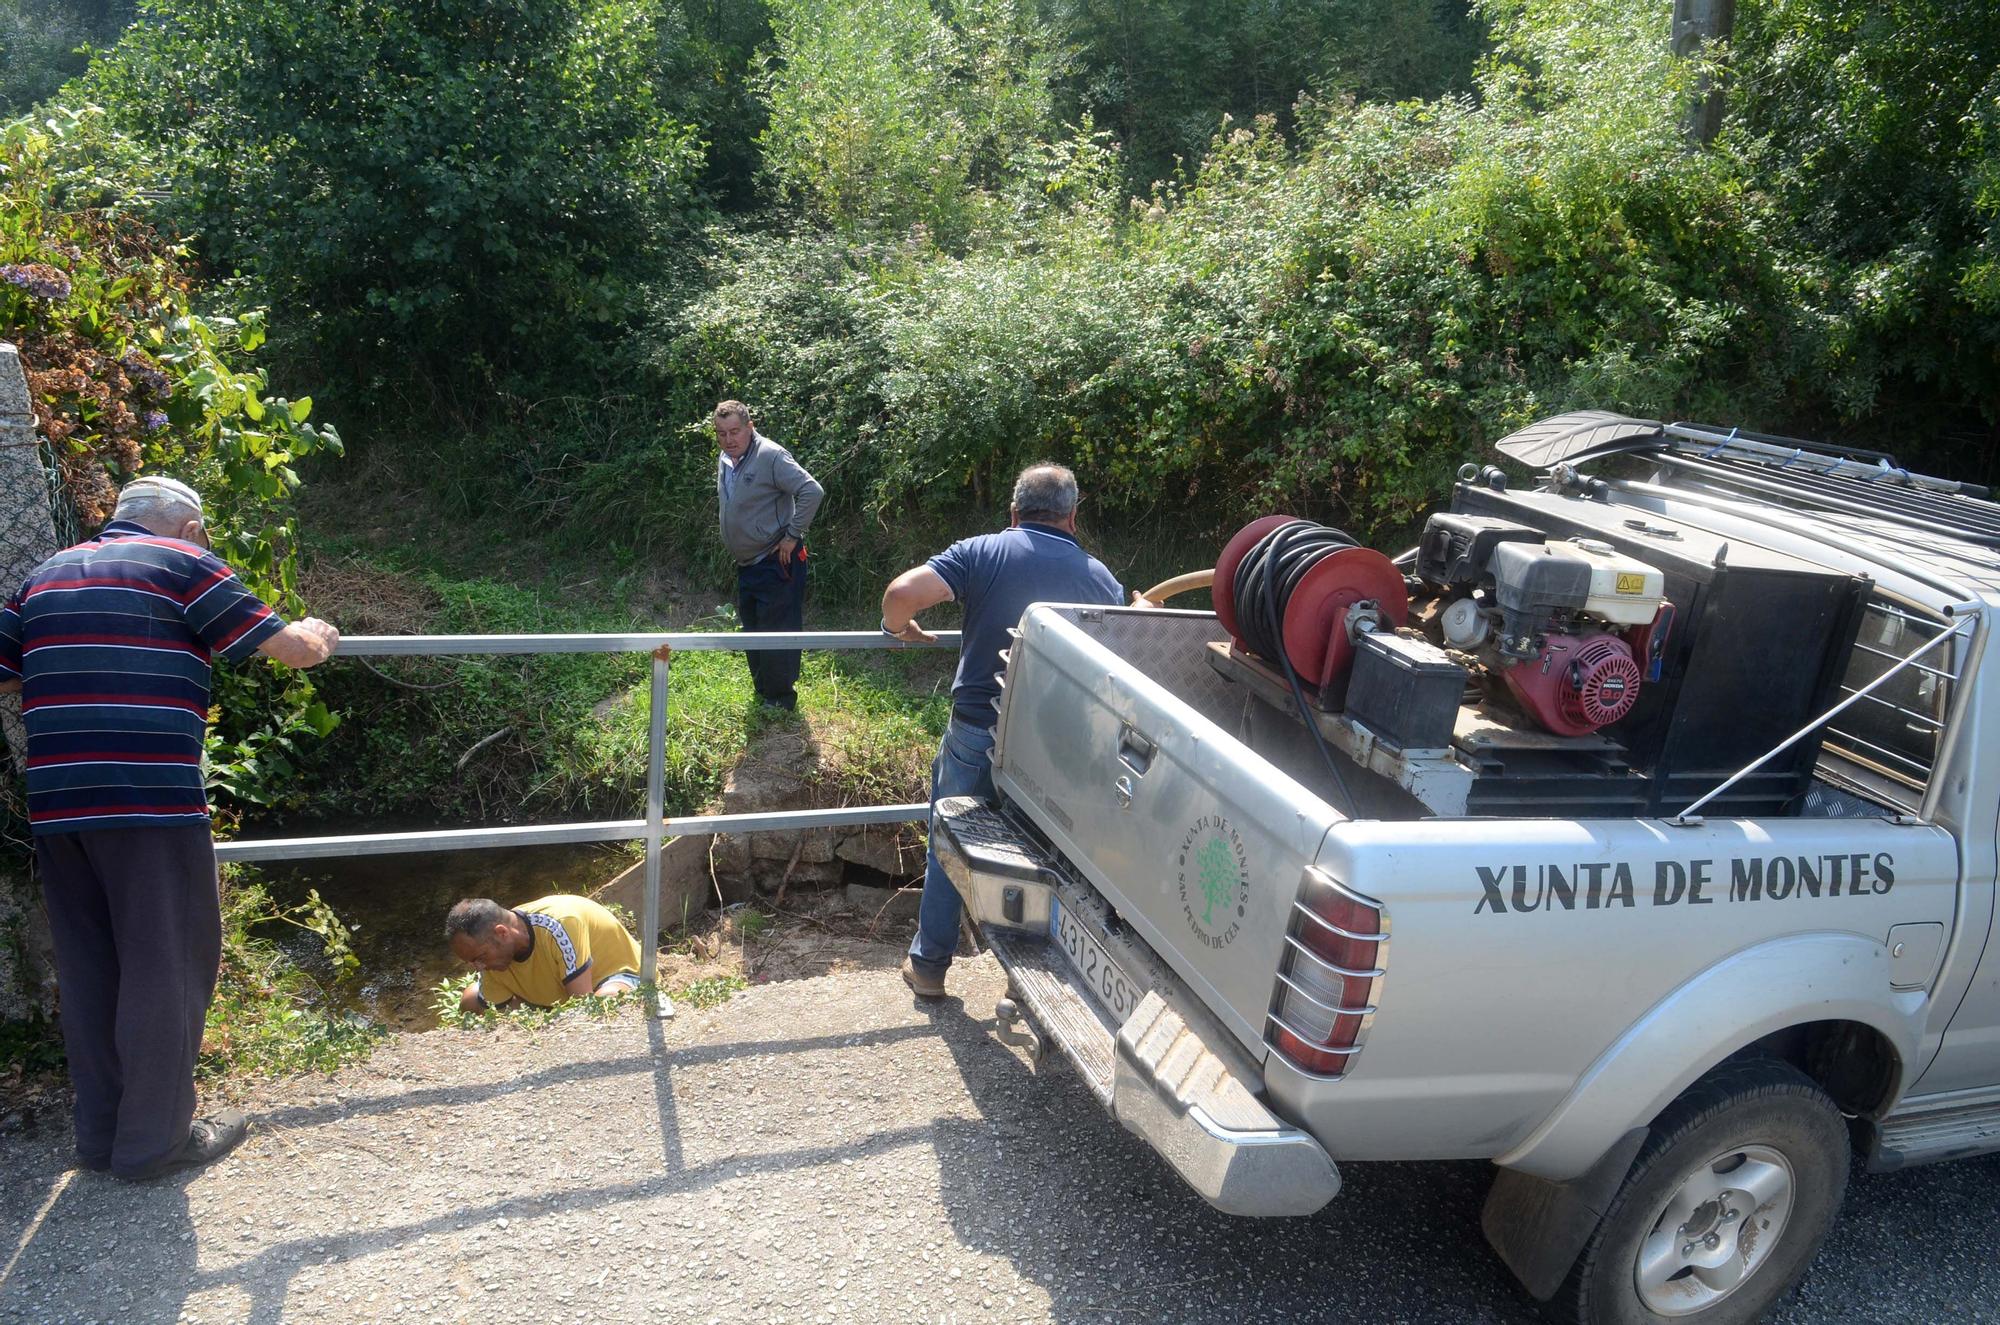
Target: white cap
159 485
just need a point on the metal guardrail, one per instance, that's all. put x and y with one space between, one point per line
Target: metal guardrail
655 828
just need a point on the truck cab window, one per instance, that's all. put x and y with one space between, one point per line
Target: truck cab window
1885 746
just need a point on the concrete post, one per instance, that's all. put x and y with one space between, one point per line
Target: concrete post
27 538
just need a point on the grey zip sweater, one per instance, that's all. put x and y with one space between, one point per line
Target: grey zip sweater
769 497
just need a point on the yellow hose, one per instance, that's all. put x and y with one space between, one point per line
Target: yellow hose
1194 579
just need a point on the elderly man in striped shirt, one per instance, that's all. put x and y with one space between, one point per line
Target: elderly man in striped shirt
110 643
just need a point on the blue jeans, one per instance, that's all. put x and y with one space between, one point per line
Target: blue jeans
963 767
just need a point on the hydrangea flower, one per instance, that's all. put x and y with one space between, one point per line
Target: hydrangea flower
141 370
155 420
38 279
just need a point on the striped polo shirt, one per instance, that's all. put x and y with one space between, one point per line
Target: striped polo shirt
112 642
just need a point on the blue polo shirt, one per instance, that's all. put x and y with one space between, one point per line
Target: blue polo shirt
112 641
995 577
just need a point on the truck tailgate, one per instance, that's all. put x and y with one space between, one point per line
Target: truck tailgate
1196 842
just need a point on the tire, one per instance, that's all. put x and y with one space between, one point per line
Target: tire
1721 1261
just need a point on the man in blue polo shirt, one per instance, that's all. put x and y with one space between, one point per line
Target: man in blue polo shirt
995 577
110 644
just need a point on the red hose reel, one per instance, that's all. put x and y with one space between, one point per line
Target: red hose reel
1315 609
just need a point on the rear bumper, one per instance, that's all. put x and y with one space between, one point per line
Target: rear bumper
1165 1071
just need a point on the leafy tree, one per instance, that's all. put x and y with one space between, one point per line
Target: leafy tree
456 189
1877 129
711 80
885 115
1323 323
45 43
1162 74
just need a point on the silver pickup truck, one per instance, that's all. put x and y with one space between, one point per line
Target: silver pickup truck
1635 832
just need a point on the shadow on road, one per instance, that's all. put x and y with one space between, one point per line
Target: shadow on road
1112 1233
93 1211
659 1059
1033 1180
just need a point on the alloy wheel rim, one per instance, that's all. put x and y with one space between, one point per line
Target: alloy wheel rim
1716 1232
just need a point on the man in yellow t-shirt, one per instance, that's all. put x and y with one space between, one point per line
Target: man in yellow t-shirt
542 952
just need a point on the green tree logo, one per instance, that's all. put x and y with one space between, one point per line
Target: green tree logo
1218 876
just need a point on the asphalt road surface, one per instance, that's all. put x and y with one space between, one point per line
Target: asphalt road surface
821 1150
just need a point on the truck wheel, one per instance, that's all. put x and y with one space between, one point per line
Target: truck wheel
1724 1206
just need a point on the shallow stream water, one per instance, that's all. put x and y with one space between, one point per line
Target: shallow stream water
397 905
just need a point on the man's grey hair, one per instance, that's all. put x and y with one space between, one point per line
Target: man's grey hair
732 409
474 918
161 504
1045 493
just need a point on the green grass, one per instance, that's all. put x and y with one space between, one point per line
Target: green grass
601 530
573 729
711 991
33 1045
269 1017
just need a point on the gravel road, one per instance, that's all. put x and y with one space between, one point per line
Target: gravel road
814 1151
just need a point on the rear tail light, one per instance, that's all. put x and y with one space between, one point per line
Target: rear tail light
1335 951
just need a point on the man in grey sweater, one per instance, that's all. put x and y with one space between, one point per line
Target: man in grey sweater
767 501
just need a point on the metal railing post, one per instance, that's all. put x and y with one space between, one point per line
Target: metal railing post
656 813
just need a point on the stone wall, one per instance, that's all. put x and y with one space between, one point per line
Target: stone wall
776 773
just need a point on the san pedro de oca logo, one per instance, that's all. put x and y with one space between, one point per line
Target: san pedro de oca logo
1214 880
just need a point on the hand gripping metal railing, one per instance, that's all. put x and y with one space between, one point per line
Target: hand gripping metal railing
655 828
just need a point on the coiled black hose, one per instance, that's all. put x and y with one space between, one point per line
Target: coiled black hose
1264 582
1268 574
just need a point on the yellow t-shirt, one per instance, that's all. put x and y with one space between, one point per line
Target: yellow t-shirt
566 934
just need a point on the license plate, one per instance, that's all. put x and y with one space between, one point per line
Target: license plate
1111 986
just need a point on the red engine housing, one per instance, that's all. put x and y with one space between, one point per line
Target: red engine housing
1580 683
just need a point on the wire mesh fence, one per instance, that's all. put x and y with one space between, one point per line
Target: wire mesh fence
36 518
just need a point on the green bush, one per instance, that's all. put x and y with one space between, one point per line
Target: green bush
45 43
1162 76
712 82
884 115
1330 321
460 192
1875 129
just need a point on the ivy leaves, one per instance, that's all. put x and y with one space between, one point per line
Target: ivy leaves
254 441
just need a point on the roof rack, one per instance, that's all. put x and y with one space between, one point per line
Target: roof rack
1801 475
1837 480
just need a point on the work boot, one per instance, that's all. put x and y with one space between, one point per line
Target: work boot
922 983
208 1140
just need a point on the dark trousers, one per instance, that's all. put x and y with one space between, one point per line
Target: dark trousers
137 924
773 597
